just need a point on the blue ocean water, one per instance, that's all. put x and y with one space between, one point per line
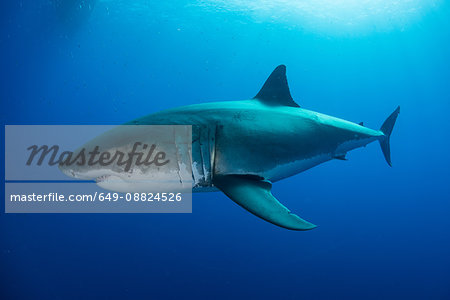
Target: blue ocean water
383 232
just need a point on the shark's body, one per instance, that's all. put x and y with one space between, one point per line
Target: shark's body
271 142
241 147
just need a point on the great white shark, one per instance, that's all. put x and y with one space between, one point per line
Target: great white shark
242 147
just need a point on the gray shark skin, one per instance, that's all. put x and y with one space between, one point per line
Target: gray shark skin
242 147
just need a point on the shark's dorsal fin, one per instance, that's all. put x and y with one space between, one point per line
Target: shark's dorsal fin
275 90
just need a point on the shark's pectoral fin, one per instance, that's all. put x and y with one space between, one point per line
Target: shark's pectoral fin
255 196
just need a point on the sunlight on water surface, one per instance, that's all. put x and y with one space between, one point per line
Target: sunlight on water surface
330 16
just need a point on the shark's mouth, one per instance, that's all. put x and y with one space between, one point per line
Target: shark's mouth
102 178
111 179
115 183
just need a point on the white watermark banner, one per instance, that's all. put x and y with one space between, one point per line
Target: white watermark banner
97 168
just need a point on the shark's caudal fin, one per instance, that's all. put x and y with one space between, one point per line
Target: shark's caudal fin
275 90
255 195
386 128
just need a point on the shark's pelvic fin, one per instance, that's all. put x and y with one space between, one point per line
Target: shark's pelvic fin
340 157
275 90
255 195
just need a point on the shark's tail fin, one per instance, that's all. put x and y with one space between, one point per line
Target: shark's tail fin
386 128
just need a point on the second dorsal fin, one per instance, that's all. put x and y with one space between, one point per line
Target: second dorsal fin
275 90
